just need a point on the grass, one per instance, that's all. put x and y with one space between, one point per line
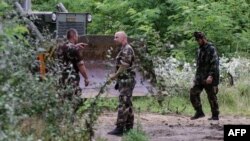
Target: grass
136 134
233 100
101 139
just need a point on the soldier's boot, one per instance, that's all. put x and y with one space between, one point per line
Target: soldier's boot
215 116
128 128
130 122
118 131
199 114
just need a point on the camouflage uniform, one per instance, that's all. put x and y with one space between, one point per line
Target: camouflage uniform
207 65
125 85
69 58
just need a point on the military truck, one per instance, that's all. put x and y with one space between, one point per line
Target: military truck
56 22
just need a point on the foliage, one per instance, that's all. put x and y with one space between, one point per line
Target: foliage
225 23
176 77
136 134
163 23
166 27
30 109
31 106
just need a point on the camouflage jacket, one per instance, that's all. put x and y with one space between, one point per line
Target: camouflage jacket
126 58
207 63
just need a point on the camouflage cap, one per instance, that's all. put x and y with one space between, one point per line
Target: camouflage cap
199 35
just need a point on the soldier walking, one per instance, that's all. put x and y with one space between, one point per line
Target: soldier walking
206 77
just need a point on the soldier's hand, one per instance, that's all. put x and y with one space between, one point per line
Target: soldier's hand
112 76
209 80
81 45
194 82
86 81
109 81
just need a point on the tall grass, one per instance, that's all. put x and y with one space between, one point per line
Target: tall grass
233 100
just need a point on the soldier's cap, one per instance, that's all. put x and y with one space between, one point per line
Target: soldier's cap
199 35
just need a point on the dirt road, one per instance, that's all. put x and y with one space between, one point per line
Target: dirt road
172 127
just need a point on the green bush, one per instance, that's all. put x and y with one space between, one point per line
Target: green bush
32 108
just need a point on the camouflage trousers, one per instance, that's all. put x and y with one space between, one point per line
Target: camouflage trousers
211 91
125 118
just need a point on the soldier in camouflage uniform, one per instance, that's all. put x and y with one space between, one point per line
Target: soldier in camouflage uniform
206 77
71 64
125 84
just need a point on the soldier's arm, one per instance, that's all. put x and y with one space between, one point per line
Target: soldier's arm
124 62
196 61
81 67
83 71
81 45
214 62
122 67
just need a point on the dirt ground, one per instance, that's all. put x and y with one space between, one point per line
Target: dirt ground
171 127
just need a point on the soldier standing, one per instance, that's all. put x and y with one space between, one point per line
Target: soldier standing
125 84
72 64
206 77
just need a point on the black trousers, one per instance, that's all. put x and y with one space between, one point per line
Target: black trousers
211 91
